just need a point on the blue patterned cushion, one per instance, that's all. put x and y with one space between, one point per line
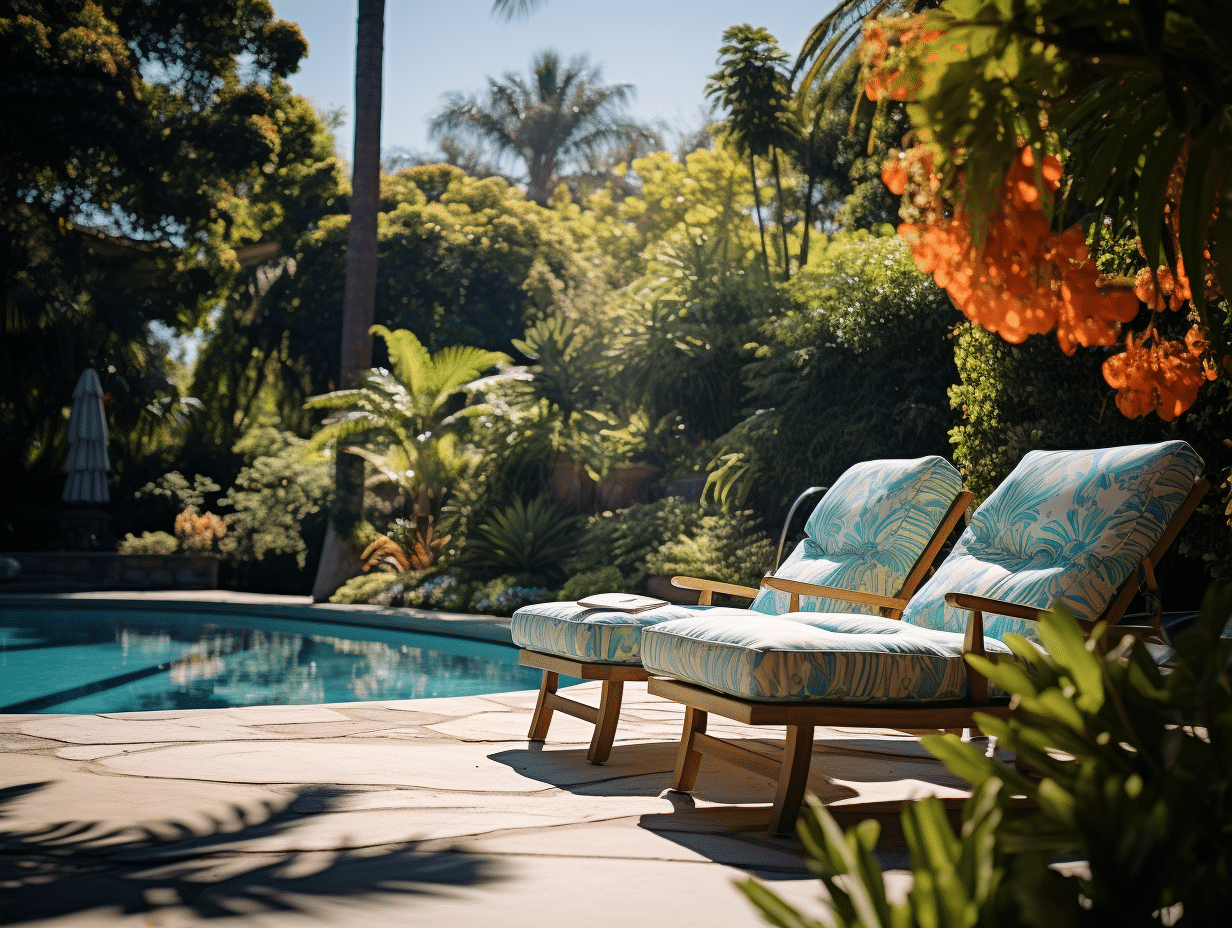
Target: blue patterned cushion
806 657
597 635
867 533
1064 527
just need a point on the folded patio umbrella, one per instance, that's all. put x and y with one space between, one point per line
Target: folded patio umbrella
87 463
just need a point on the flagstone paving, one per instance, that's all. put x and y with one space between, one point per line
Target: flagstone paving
410 812
413 812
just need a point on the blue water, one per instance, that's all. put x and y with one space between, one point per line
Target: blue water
107 659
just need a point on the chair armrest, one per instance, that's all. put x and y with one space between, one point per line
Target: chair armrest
1004 607
987 604
798 588
1147 633
709 587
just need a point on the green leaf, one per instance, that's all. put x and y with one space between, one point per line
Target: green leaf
1067 645
1102 95
1208 161
1006 674
1057 803
1152 191
773 909
1221 246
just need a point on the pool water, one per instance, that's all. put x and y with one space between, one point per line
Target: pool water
111 659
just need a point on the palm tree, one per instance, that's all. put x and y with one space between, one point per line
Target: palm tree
753 85
399 424
359 288
560 116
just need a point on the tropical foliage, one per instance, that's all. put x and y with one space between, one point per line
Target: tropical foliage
525 538
860 306
753 86
403 421
631 317
1133 96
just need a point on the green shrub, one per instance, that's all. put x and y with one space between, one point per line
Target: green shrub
279 503
603 580
729 548
505 595
365 588
441 591
175 489
625 539
149 543
858 368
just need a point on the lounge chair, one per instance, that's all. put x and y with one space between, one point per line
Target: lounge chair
1078 528
875 534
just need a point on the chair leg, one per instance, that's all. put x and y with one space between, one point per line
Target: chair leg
609 717
689 760
797 758
542 718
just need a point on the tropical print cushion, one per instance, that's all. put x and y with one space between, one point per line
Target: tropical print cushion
567 629
867 533
1064 527
807 657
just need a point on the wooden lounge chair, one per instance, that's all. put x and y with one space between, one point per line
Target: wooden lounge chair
874 534
1083 529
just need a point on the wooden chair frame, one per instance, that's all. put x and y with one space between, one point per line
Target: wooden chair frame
790 770
607 716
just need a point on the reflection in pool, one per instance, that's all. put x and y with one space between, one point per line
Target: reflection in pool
100 659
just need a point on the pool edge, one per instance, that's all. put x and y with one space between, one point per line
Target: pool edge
494 629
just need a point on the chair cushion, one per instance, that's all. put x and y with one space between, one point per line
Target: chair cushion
600 636
1064 527
868 532
808 657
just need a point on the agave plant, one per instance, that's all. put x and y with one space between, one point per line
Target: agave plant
530 538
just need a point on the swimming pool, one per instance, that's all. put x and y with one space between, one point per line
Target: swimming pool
88 658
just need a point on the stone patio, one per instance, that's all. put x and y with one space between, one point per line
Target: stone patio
415 812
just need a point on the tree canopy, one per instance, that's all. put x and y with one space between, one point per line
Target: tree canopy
132 131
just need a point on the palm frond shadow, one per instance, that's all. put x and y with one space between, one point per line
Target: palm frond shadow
68 867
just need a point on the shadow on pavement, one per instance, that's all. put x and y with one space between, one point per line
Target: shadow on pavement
726 816
76 866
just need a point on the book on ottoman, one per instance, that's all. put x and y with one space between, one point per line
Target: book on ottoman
621 602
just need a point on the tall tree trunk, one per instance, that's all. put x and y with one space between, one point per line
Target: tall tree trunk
778 195
338 563
809 162
761 227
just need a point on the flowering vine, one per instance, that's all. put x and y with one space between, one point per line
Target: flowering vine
979 208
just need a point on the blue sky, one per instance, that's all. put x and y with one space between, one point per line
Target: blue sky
665 48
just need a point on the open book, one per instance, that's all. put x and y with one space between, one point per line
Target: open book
621 602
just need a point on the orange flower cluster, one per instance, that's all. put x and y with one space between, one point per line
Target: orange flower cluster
1173 290
910 174
197 532
1162 377
1028 279
882 60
